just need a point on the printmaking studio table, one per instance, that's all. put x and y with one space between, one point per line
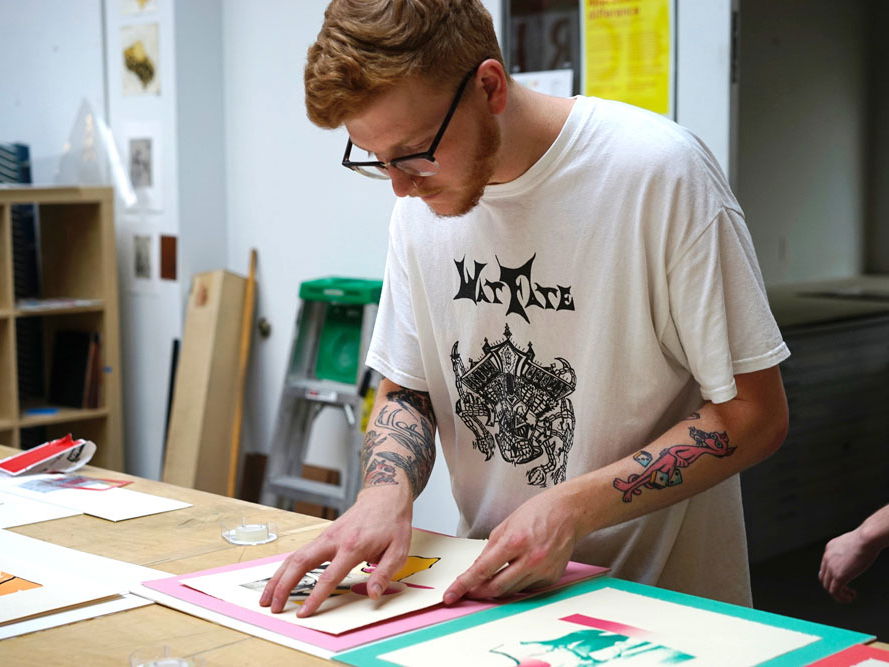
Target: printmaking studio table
178 542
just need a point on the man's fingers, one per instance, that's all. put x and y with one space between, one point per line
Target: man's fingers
391 561
266 598
341 565
511 579
484 568
277 590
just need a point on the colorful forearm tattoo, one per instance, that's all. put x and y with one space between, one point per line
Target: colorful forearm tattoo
665 470
402 437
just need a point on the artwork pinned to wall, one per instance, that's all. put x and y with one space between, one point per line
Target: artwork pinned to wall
140 162
140 260
142 155
141 59
142 256
137 6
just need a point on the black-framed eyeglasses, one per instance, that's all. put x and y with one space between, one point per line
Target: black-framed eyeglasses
416 164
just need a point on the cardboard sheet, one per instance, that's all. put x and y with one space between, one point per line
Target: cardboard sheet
112 503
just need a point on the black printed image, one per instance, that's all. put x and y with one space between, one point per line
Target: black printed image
519 407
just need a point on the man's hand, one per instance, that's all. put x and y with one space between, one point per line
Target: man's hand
845 557
376 529
530 549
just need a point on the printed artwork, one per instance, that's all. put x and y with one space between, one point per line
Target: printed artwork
355 582
435 562
57 483
140 162
137 6
9 583
592 643
143 158
142 256
665 471
518 407
611 622
141 59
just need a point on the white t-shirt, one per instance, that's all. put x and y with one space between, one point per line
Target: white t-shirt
573 316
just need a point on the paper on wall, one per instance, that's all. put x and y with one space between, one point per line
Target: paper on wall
61 455
114 504
434 562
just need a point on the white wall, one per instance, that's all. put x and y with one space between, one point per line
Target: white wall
289 197
703 88
151 315
802 125
49 67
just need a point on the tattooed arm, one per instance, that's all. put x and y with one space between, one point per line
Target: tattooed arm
400 442
535 542
396 461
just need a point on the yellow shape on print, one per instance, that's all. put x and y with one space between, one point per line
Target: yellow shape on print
413 565
9 583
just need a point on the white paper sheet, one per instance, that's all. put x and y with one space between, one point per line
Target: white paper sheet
556 82
67 577
435 562
128 601
229 622
114 504
19 511
708 637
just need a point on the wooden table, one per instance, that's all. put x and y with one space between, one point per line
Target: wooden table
177 542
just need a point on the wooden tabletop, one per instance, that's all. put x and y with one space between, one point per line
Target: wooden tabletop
185 540
178 542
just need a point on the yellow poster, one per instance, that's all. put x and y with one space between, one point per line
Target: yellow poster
627 51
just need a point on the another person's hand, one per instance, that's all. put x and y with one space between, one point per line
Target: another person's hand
528 550
845 557
376 529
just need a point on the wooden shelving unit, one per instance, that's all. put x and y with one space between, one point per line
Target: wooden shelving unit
77 258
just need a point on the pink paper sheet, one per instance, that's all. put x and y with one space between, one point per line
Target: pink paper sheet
172 586
854 656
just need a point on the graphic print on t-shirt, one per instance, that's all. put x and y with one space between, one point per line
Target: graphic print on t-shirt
514 404
514 287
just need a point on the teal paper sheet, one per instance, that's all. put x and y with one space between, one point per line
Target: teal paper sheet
831 639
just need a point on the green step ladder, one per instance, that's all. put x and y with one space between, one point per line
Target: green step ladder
333 328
